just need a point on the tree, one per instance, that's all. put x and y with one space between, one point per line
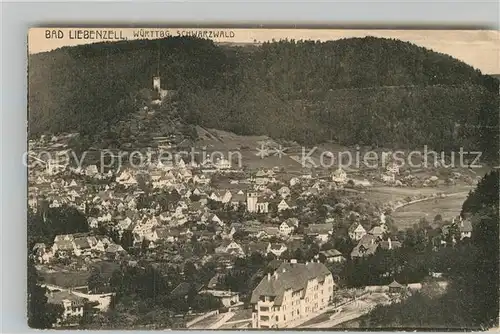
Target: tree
41 315
145 245
127 240
95 281
205 302
190 272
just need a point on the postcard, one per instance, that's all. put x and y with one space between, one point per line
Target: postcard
263 178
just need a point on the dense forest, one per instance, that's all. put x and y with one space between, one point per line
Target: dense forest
369 91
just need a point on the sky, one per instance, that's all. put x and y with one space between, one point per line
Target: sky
478 48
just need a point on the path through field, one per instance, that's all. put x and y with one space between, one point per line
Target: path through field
448 207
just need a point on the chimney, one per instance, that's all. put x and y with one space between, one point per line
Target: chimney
390 242
275 275
268 276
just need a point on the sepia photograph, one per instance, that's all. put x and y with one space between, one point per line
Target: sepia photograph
263 178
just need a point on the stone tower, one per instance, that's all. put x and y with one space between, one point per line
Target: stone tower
156 83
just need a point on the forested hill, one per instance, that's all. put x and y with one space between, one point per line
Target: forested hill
369 90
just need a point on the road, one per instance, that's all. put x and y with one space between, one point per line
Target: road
352 310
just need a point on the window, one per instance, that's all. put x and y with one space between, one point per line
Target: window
264 318
264 326
264 309
277 318
262 298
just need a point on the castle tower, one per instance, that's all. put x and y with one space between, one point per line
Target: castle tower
252 199
156 83
156 78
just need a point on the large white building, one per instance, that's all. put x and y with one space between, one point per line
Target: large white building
72 306
293 292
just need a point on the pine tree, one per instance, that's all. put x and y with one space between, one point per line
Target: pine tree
41 315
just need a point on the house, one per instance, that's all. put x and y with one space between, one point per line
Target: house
72 306
389 178
276 248
395 287
163 234
283 205
367 245
227 298
292 222
230 247
201 179
81 246
221 196
42 254
294 291
63 245
92 222
114 251
465 227
267 232
284 192
294 181
392 169
215 281
333 256
215 219
91 170
262 178
260 247
377 231
237 200
339 176
222 163
356 231
286 229
198 192
320 231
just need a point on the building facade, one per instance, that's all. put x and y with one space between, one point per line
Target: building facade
293 292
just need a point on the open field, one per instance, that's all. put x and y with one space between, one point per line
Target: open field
447 207
386 194
233 145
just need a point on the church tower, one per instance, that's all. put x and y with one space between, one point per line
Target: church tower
252 199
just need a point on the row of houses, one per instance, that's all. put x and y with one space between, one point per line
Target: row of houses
78 245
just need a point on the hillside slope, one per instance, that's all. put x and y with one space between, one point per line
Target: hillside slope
369 91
